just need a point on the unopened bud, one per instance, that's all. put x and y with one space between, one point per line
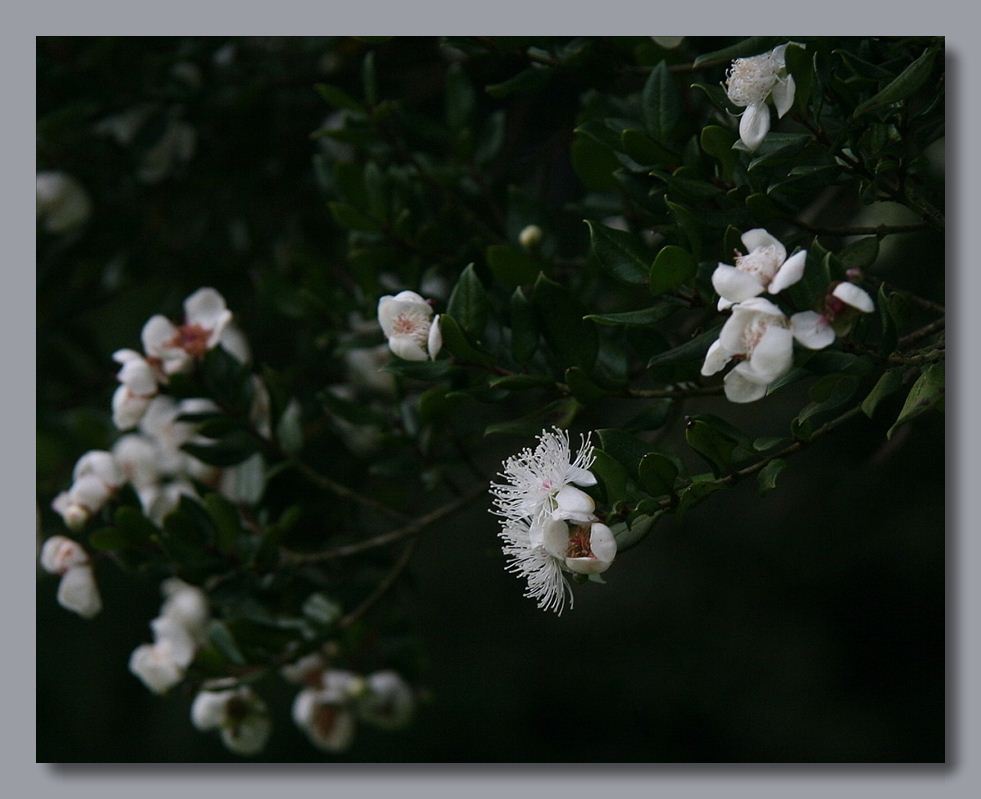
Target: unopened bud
530 237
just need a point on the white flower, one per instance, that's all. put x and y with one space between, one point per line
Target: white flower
764 267
186 605
156 666
308 670
540 481
96 477
160 500
79 593
59 554
99 464
176 348
162 424
387 702
407 322
62 203
326 717
814 330
138 460
758 334
138 385
749 82
240 714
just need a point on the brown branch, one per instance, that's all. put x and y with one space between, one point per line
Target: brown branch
329 484
382 588
923 332
860 230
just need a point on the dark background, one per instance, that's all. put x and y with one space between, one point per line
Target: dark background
803 626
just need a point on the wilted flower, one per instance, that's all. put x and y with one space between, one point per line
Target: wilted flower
758 334
62 203
764 267
59 554
815 330
308 670
541 482
175 348
326 716
407 322
240 715
749 82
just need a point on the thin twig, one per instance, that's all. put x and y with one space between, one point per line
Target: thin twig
673 393
860 230
340 490
922 332
382 588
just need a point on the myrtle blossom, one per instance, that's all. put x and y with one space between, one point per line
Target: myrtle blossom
77 591
175 348
542 482
95 478
240 715
326 716
408 323
758 335
764 267
749 82
387 700
137 387
816 330
62 204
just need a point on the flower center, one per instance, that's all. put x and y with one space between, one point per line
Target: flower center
833 306
750 80
324 719
406 325
756 329
579 543
761 262
193 339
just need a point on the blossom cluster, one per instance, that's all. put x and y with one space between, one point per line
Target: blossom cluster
77 590
758 334
548 524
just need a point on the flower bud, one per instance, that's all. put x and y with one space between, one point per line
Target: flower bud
185 605
530 237
59 554
79 593
154 664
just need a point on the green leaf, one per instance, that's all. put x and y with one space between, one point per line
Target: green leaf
134 525
711 443
661 103
289 429
767 478
511 267
347 216
227 380
109 539
455 342
460 97
717 142
701 487
827 394
637 531
642 318
890 335
612 476
338 97
369 78
690 226
745 47
321 610
672 267
559 413
224 516
468 303
521 382
622 254
226 451
927 392
800 65
888 384
860 254
692 350
905 84
560 317
583 388
221 638
527 81
644 150
623 447
524 328
657 474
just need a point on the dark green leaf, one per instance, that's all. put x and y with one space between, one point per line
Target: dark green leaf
227 525
888 384
767 478
689 352
905 84
221 639
524 328
560 317
927 392
657 474
338 98
622 254
611 474
643 318
468 303
661 103
860 254
745 47
460 98
511 267
227 451
672 267
527 81
583 388
623 447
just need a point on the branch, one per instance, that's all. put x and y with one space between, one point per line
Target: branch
860 230
329 484
389 580
923 332
673 393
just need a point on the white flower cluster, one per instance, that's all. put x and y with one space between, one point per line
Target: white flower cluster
240 716
749 82
548 525
63 205
177 633
95 478
408 323
758 334
77 590
333 701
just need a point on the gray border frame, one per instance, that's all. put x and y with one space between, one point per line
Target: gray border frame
960 777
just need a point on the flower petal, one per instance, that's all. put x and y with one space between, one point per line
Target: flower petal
739 389
812 330
724 304
773 356
435 342
602 542
79 593
157 334
554 537
208 709
757 238
571 503
407 348
852 295
734 284
581 477
754 125
207 308
715 359
783 94
789 273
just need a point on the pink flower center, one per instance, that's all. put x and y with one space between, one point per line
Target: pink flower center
761 262
579 543
193 339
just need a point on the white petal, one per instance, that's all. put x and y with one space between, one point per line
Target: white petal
783 94
79 593
407 348
715 359
234 342
101 464
602 542
208 709
774 354
724 304
812 330
249 736
388 702
581 477
207 308
171 632
125 356
757 238
739 389
155 667
852 295
157 334
555 537
731 337
571 503
410 297
89 492
138 376
435 343
789 273
734 284
185 604
407 302
759 305
754 125
59 554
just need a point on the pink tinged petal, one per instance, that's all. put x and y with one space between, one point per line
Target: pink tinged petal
773 356
387 310
757 238
101 464
79 593
715 359
783 94
734 284
89 492
739 389
731 337
435 342
581 477
207 308
407 348
790 273
571 503
754 125
59 554
852 295
555 537
157 334
812 330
